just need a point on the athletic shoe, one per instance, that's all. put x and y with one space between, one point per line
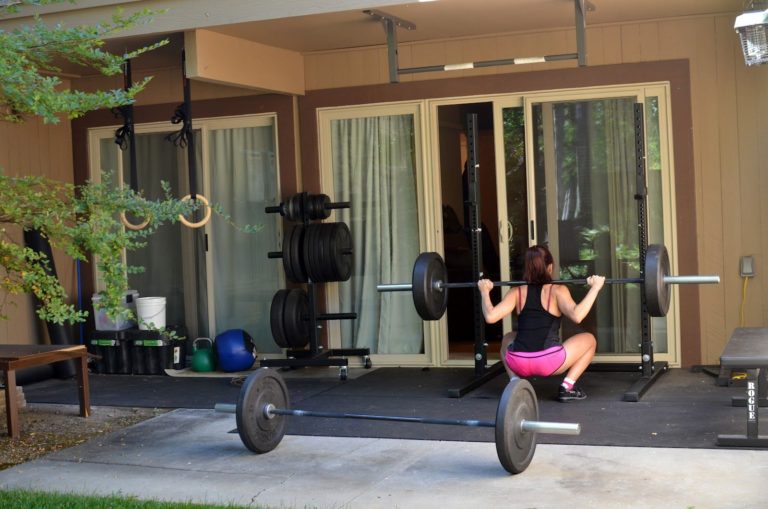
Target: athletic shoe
575 394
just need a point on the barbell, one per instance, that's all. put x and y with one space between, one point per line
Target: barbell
430 284
263 405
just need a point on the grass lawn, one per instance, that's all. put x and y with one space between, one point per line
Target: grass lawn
22 499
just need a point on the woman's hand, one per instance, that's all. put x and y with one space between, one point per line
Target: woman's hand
596 282
485 286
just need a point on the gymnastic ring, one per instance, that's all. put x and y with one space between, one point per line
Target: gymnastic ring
204 220
132 226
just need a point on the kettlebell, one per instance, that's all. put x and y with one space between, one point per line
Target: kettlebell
202 357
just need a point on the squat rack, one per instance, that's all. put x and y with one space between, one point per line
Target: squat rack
649 369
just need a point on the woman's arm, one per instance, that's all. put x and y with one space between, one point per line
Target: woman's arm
493 313
577 312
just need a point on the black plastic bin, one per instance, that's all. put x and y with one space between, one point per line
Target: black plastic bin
153 352
113 352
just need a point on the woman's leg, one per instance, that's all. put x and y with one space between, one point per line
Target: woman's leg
508 338
579 352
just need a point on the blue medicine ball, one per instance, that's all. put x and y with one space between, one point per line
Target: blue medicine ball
236 350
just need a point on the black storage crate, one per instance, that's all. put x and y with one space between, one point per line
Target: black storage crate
153 352
113 352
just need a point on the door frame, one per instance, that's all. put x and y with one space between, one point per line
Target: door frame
640 91
203 125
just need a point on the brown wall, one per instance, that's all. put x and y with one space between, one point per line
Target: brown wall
719 107
676 72
725 171
34 148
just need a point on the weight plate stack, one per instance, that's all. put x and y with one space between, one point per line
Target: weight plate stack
320 209
296 318
293 264
276 318
327 252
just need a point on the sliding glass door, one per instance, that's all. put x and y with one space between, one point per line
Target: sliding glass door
568 181
213 277
371 159
243 178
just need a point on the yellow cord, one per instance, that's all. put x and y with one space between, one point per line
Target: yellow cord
743 300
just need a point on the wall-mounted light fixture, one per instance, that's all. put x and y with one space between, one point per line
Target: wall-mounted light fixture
752 27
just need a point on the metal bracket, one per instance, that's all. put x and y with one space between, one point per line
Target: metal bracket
391 23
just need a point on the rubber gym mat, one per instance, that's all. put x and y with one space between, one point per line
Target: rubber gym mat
681 409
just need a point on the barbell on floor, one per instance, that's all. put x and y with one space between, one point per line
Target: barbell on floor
430 284
263 404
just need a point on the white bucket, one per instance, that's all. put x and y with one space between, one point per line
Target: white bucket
151 312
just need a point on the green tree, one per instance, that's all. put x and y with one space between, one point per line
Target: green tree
80 220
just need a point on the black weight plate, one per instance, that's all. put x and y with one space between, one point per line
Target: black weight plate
259 432
290 274
290 208
656 290
317 262
296 318
307 254
276 318
514 446
314 210
323 211
430 301
296 208
296 255
329 265
343 261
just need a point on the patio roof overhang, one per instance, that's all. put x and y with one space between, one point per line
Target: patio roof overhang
275 34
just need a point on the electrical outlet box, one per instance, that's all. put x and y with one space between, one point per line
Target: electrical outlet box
747 266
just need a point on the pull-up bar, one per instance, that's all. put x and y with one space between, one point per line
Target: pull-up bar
391 23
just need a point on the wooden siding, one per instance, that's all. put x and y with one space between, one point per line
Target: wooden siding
34 148
729 102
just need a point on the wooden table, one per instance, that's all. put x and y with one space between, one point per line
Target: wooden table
13 357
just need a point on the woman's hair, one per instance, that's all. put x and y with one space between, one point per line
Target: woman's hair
537 259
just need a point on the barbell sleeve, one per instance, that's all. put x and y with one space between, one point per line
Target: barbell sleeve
692 280
226 408
552 428
404 287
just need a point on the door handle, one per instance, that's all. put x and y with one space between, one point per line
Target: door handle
505 230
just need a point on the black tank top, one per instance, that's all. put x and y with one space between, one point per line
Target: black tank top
537 328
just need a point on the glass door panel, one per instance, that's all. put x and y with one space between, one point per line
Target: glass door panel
513 204
373 162
584 178
157 161
243 178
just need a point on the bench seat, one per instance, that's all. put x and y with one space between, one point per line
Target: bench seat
747 349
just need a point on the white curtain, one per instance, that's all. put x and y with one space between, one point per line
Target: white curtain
244 180
374 169
620 162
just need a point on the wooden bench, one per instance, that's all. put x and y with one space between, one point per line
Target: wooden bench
13 357
747 349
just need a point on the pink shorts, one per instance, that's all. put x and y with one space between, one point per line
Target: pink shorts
543 363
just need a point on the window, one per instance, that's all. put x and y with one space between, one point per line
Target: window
213 277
